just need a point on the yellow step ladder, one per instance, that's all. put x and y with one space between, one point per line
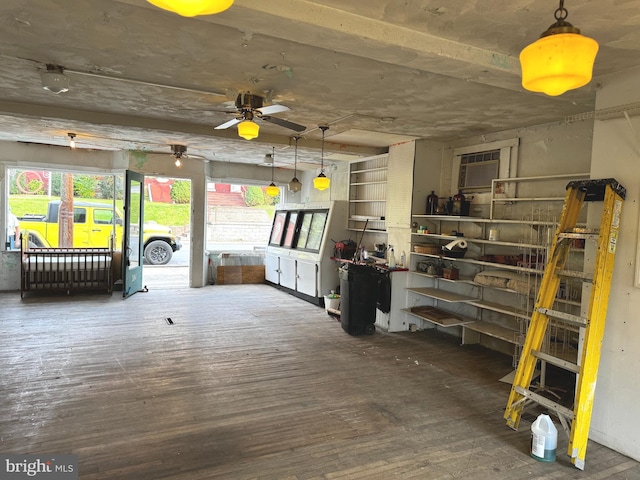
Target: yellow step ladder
575 421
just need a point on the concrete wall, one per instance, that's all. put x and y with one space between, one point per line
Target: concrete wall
616 153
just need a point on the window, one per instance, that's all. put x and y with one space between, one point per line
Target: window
478 169
475 166
103 217
79 215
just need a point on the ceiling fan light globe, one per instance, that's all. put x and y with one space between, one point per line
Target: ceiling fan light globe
295 185
272 190
192 8
55 82
248 129
321 182
556 63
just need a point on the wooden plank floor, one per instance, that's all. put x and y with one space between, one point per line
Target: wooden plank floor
252 383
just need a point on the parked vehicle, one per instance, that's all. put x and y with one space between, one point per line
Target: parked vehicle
93 225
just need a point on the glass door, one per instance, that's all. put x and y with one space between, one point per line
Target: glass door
133 228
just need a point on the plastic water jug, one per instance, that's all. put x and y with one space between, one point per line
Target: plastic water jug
544 439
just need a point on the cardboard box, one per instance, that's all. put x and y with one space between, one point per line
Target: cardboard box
240 274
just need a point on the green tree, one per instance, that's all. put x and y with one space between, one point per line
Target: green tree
254 196
84 186
181 191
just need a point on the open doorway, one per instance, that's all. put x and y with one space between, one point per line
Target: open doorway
168 202
239 219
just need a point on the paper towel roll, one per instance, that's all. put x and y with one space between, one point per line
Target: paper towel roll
458 243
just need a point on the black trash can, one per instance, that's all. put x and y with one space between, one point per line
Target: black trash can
358 298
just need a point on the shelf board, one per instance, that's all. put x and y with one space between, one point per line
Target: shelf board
359 200
439 317
364 218
368 230
366 170
379 182
443 295
527 199
496 307
479 262
493 330
482 240
467 280
454 218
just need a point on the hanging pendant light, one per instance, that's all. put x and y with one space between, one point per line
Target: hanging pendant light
294 184
321 182
248 129
560 60
272 190
192 8
72 140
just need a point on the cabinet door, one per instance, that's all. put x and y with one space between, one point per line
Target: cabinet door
307 278
272 269
288 272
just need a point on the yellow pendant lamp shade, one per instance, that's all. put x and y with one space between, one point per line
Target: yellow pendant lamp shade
560 60
248 129
272 190
321 182
558 63
192 8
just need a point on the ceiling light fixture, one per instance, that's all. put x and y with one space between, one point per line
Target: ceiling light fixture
192 8
248 129
54 79
560 60
178 151
294 184
72 142
321 182
273 190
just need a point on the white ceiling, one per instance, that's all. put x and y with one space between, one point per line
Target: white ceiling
378 72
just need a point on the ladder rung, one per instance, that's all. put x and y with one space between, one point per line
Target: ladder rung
564 316
545 402
586 231
576 274
578 235
558 362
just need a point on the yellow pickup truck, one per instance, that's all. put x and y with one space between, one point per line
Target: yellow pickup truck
93 225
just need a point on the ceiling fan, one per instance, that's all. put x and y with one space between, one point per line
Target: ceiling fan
248 107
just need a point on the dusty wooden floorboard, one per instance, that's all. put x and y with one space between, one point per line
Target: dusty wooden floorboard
252 383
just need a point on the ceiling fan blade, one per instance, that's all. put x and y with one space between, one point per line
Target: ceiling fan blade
285 123
271 109
228 124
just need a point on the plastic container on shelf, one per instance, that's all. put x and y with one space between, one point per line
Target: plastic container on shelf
544 439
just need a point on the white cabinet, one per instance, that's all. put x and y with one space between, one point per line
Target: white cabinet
293 274
288 272
395 320
272 269
298 257
307 278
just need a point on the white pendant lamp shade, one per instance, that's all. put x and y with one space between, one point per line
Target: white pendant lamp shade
192 8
